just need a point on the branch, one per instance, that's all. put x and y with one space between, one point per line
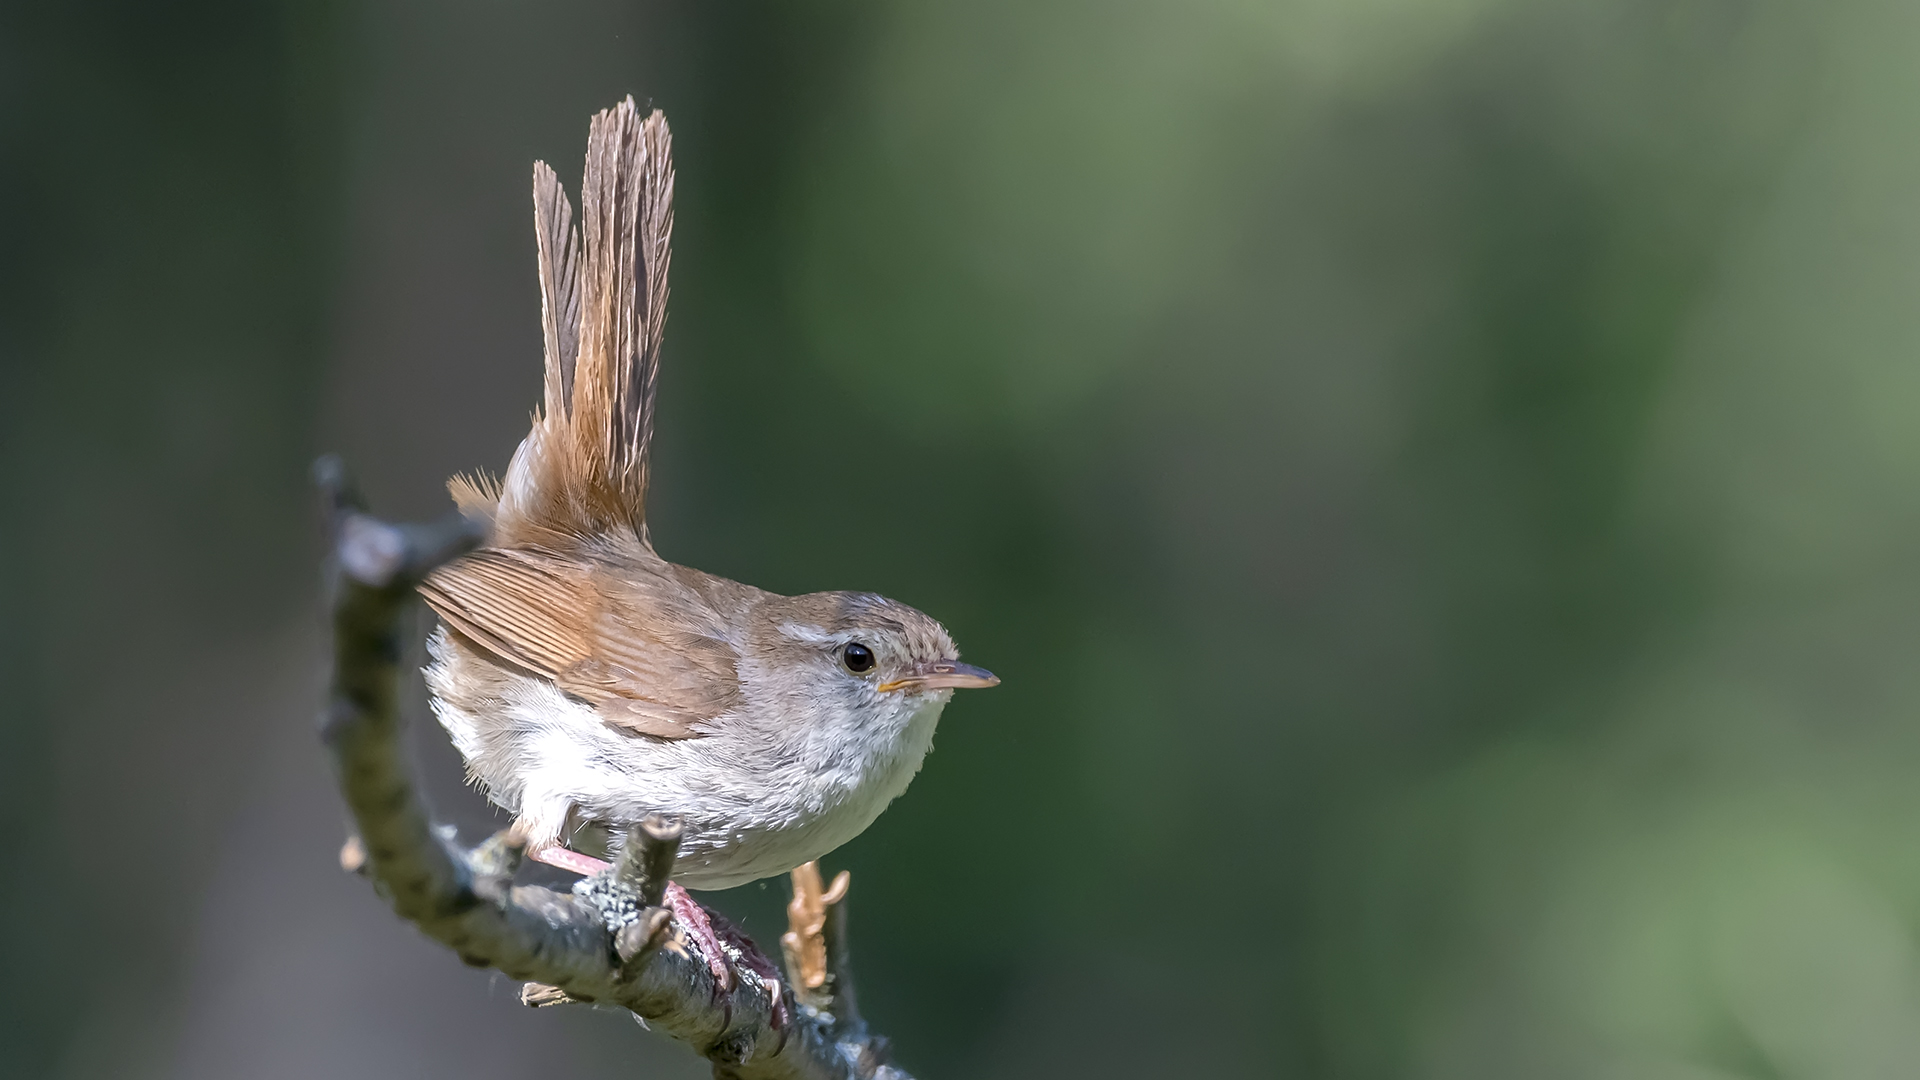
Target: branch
610 943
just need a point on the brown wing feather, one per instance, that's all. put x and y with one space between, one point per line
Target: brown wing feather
554 616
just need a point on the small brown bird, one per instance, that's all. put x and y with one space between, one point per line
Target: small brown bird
587 681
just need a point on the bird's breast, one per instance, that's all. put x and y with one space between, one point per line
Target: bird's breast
812 799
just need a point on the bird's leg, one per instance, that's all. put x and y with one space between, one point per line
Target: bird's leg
694 919
740 947
570 860
724 945
719 947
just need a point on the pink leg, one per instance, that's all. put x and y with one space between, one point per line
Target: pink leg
698 925
724 943
690 914
722 940
756 961
565 859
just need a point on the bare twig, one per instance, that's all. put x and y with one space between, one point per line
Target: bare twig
648 857
466 899
815 946
805 942
840 979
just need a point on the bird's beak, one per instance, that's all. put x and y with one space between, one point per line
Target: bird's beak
943 675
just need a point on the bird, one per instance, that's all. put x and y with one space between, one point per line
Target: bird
587 681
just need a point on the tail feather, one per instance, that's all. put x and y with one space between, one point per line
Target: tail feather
558 247
583 469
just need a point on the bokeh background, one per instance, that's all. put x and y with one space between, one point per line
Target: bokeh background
1440 479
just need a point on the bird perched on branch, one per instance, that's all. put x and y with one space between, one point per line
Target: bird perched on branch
587 681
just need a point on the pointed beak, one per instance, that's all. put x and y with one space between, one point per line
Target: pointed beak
944 675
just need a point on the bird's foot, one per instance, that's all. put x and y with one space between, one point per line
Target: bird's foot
721 945
698 925
725 946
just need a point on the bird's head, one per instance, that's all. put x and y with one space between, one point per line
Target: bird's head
862 656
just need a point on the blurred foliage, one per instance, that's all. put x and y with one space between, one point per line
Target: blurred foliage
171 183
1439 480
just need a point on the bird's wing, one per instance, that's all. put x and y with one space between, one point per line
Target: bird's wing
642 658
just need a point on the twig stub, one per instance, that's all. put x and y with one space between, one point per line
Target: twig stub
353 856
641 936
540 996
646 862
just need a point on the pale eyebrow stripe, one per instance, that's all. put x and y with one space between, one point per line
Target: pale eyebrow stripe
808 634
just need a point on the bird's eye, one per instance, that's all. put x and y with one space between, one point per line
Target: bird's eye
857 657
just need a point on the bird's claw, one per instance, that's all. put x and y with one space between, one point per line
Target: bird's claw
699 927
721 946
724 946
781 1015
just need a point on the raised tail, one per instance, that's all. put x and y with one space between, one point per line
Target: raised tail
583 469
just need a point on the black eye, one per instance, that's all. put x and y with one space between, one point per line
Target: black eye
857 657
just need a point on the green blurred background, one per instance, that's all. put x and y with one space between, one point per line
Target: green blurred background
1440 479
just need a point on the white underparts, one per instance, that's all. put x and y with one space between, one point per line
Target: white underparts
760 795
